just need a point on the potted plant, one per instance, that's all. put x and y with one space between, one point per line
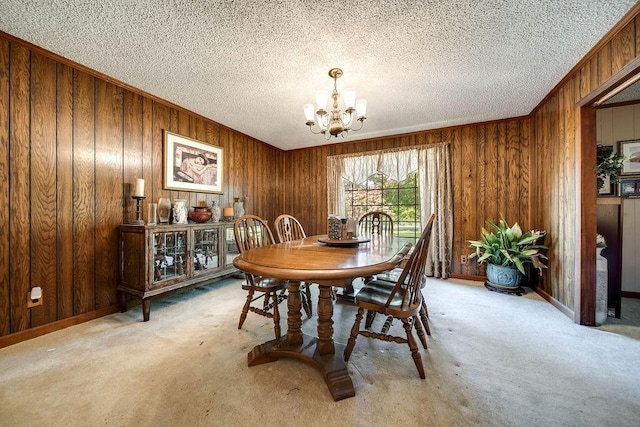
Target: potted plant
609 163
505 249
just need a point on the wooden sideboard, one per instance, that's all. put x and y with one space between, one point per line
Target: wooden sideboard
154 259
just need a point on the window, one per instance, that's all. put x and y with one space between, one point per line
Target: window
400 199
409 183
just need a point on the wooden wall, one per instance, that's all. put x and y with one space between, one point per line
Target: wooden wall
72 141
562 202
71 144
490 168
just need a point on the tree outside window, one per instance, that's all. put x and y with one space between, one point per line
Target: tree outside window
400 199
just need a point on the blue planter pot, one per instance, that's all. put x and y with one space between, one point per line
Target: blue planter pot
503 275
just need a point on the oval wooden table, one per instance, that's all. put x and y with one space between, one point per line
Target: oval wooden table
310 261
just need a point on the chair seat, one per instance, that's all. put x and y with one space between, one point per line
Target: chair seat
389 278
390 275
265 284
375 298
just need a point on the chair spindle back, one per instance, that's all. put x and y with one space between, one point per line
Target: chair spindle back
410 281
250 232
288 228
375 223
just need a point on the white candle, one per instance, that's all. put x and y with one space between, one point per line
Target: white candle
139 191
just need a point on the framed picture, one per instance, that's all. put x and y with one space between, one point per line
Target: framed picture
190 165
607 187
628 188
631 151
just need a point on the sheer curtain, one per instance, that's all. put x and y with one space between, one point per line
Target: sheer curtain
434 182
433 166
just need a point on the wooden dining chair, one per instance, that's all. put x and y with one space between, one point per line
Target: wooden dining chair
250 232
375 223
402 301
288 228
388 280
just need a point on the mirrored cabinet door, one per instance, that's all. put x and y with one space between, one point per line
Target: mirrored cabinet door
231 247
169 255
206 250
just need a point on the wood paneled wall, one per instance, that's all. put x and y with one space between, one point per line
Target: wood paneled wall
490 168
557 194
72 141
71 144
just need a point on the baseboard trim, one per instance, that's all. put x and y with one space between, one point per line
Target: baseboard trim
629 294
557 304
468 277
38 331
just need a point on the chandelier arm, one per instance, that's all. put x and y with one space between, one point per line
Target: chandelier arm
361 120
349 113
311 129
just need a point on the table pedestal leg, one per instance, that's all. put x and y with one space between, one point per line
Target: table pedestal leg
321 353
325 323
333 368
294 316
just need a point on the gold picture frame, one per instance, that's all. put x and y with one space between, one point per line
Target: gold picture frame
191 165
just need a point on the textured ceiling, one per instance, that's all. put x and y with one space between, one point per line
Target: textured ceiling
251 65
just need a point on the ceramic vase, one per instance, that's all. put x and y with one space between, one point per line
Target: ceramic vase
179 211
602 288
164 210
215 211
238 209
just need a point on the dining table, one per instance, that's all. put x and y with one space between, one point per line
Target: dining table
327 263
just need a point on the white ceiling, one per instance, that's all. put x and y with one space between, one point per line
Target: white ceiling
251 65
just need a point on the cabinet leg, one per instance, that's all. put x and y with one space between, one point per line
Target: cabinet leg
146 309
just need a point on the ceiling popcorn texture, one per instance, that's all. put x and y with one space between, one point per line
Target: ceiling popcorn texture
251 65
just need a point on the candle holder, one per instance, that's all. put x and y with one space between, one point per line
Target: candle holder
138 220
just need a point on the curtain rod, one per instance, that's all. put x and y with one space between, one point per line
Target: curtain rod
389 150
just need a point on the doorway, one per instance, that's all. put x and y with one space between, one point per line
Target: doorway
624 82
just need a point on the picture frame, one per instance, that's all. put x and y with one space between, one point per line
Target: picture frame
629 187
607 188
631 151
191 165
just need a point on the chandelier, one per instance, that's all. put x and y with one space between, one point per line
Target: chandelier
335 122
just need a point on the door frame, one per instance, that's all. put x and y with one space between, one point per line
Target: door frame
586 194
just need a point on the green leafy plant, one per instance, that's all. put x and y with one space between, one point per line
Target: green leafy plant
508 245
609 163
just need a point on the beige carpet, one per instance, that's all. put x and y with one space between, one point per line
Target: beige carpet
629 322
493 360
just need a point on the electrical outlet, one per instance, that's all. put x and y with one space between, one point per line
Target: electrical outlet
34 297
463 259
